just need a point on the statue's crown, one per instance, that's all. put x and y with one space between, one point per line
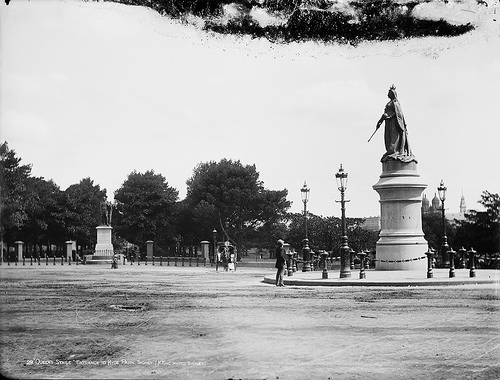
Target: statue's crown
392 87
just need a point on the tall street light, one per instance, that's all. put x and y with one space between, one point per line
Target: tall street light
214 234
345 262
444 244
306 266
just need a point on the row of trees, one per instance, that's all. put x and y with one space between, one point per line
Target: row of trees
225 195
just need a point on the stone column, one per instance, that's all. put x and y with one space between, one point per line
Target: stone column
205 250
69 250
401 244
19 250
149 250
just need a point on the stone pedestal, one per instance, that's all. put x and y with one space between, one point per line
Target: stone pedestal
401 244
19 251
103 253
150 250
205 250
69 250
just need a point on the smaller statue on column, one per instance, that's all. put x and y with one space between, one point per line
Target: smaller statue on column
106 212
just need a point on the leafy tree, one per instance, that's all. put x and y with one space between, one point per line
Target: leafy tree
145 209
13 193
325 233
481 229
230 197
82 203
44 206
432 226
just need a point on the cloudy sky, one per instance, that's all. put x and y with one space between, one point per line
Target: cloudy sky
100 89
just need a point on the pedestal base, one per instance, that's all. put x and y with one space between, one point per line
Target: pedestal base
401 245
104 251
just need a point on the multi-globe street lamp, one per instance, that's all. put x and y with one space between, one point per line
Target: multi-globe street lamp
345 262
444 243
306 266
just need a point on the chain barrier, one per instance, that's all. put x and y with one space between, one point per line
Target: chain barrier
401 261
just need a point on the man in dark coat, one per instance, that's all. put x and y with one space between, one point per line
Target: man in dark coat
280 263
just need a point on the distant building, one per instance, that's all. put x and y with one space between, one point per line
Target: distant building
436 206
372 223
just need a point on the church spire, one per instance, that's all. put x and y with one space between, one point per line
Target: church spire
463 207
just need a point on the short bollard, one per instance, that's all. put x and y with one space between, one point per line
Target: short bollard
451 252
462 251
69 260
46 259
54 259
23 260
62 260
31 260
161 260
38 260
472 255
182 260
430 255
362 274
153 261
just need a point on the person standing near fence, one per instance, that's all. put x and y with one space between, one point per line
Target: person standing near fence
280 263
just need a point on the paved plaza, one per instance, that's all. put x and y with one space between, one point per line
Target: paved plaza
195 323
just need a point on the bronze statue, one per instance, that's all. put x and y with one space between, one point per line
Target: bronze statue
106 211
396 135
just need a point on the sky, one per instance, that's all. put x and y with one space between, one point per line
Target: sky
97 89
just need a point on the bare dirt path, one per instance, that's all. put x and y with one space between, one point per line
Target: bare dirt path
194 323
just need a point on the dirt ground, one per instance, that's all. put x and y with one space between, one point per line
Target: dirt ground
193 323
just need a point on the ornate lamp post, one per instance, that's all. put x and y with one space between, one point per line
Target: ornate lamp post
214 233
462 251
452 262
306 266
345 264
430 255
472 266
444 245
